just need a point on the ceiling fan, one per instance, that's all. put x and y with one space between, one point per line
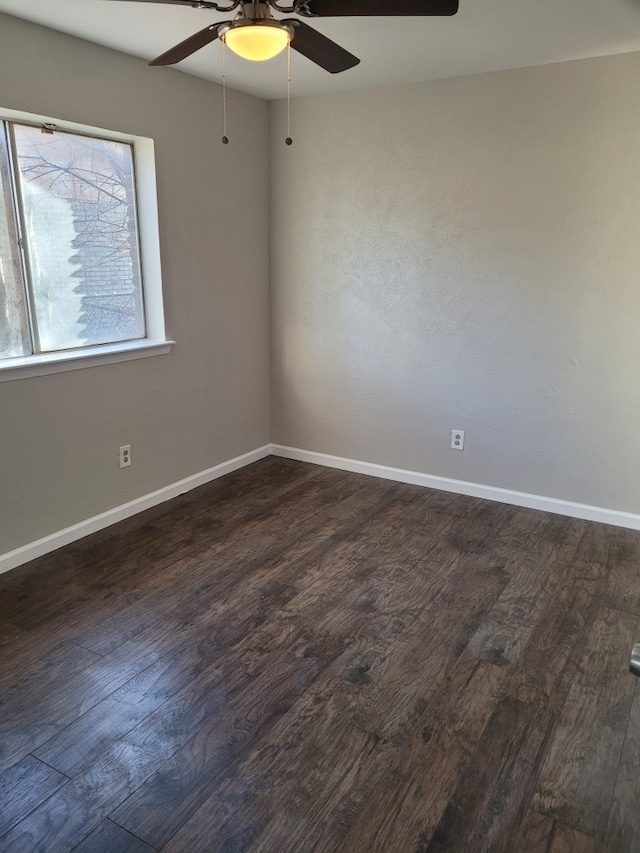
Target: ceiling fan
255 34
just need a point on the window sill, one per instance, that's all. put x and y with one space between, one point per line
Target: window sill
60 362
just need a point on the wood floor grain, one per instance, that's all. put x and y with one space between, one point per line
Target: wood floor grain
299 659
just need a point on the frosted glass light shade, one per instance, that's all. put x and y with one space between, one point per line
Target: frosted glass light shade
257 41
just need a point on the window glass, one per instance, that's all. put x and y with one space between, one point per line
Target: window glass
80 233
14 330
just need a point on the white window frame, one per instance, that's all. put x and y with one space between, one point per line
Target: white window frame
155 342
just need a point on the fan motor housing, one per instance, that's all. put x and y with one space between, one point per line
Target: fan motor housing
223 29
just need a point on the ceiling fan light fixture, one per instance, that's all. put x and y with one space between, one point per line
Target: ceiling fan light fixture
257 40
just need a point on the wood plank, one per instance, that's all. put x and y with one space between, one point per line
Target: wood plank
108 837
384 602
50 589
424 612
623 583
85 801
549 659
623 827
96 600
23 787
507 628
541 834
126 818
32 718
90 734
65 819
222 561
61 663
30 730
578 776
489 805
403 815
537 833
568 840
402 683
296 791
266 677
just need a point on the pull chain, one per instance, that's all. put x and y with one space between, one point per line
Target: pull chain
225 138
289 140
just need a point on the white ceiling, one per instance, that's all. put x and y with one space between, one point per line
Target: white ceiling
485 35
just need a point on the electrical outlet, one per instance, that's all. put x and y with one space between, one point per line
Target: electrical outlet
457 439
125 456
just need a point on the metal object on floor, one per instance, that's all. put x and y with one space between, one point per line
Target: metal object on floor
634 663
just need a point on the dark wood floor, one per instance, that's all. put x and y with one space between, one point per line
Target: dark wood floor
299 659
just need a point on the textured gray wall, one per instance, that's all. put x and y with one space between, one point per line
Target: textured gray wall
207 401
465 254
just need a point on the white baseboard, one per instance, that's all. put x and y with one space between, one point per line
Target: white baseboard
77 531
462 487
22 555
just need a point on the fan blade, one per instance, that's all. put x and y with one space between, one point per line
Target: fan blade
188 46
196 4
320 49
379 8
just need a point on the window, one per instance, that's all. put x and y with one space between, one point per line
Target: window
74 205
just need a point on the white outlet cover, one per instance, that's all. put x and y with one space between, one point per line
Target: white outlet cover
457 439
